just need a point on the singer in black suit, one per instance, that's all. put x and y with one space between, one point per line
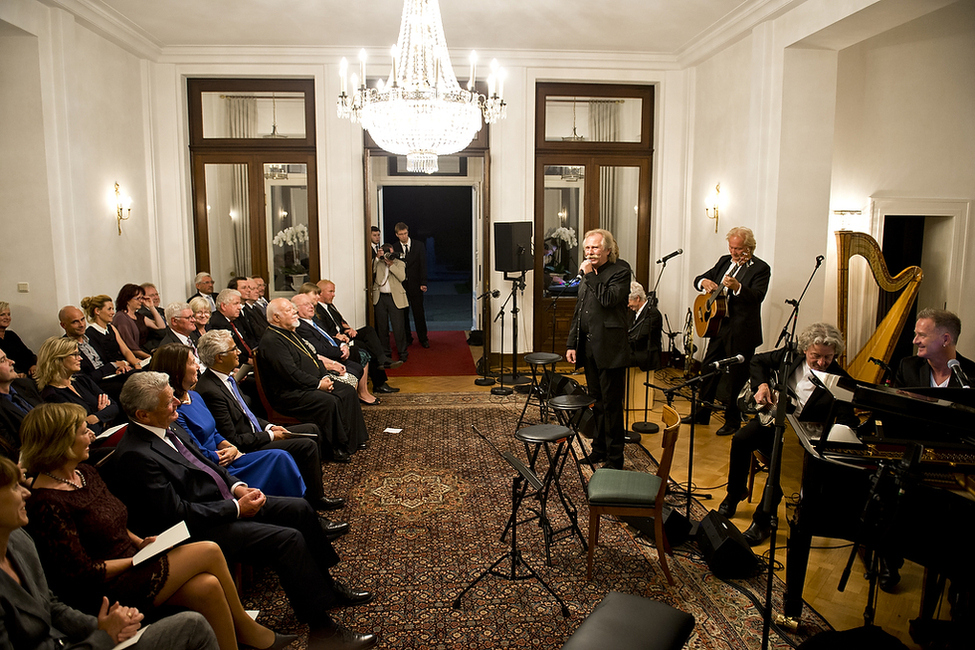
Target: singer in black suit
936 337
819 345
598 341
163 480
415 256
746 280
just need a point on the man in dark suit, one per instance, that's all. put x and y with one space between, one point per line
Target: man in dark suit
819 345
163 480
415 257
181 328
598 341
364 338
936 337
250 312
238 424
204 289
375 239
298 385
17 397
227 317
744 279
644 333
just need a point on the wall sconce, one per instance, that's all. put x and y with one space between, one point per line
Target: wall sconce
123 208
711 205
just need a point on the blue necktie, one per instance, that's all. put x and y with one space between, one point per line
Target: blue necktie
325 334
256 426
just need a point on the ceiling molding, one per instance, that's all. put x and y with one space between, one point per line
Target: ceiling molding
115 27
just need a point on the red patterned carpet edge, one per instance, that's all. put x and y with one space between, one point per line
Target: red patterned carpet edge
448 356
427 506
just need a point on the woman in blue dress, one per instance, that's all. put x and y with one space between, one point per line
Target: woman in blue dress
273 471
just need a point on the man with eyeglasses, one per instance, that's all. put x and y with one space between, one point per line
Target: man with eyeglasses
182 328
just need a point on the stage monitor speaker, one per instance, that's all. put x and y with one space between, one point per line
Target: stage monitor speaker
724 548
676 526
513 246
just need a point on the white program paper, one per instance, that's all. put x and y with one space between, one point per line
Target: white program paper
164 541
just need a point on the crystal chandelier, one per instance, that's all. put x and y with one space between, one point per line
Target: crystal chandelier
421 112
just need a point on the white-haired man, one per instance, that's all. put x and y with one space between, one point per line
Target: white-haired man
204 289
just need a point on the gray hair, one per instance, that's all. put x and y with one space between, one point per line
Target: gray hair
174 309
141 391
944 320
226 295
199 277
747 238
212 344
637 292
199 304
822 334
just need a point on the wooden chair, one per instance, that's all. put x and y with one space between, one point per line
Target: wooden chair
272 415
635 494
759 463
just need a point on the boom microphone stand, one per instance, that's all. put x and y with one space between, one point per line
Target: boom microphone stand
517 284
775 463
484 380
502 389
646 426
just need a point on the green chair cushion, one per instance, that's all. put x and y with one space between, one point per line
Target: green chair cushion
610 487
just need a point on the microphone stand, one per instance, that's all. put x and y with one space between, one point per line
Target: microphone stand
646 426
484 380
775 463
551 306
517 284
502 389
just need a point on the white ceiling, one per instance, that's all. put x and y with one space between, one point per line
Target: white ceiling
661 27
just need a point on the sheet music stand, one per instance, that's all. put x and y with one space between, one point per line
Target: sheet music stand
514 553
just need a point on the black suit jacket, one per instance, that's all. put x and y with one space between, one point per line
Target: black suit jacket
644 337
220 322
914 372
330 319
11 417
170 337
742 327
256 319
605 294
286 369
764 369
161 488
416 263
232 423
200 295
319 342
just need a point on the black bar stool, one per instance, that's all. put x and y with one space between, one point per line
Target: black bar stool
539 361
556 440
569 411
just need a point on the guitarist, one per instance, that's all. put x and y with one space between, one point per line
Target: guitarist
744 279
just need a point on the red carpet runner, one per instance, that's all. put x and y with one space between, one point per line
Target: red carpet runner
448 355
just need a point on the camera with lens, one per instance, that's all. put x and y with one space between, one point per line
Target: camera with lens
390 255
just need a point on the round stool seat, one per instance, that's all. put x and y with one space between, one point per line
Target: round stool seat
542 358
571 402
538 434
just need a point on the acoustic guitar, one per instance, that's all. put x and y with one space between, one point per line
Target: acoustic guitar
711 308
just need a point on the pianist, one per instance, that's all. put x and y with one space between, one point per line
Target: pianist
935 335
819 344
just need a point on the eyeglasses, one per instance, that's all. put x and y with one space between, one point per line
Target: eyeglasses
76 353
232 350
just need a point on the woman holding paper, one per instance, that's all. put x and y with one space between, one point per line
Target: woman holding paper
80 531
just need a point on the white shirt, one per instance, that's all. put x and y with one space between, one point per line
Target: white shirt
226 382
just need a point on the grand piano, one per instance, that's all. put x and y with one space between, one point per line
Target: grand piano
926 516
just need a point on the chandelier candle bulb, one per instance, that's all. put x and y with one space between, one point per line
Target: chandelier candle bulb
343 74
392 79
470 84
362 66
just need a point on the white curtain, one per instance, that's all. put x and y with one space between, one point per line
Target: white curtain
604 125
242 119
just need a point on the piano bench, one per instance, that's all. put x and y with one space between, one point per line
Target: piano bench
628 622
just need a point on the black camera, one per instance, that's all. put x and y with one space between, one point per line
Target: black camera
392 255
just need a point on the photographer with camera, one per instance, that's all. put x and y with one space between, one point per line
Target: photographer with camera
389 299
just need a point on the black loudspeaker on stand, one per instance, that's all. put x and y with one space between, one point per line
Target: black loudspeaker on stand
512 254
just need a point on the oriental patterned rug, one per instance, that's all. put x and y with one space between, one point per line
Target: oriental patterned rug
427 506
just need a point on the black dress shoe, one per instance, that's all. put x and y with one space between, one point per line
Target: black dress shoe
375 402
385 388
889 574
609 464
728 507
757 533
592 458
728 429
337 637
281 641
328 503
425 344
340 456
348 597
333 529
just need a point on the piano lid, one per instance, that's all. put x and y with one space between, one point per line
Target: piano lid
925 415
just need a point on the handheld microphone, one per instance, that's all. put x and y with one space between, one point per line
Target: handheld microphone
664 259
494 294
730 361
959 373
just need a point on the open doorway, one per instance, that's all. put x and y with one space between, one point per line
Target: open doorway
442 218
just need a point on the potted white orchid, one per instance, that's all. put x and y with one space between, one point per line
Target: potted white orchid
565 239
295 237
